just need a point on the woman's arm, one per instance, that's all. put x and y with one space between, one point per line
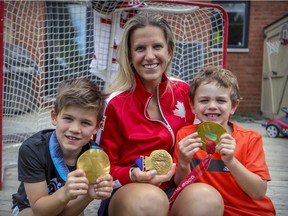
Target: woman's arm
111 141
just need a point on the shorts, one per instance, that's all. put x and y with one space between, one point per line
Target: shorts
103 209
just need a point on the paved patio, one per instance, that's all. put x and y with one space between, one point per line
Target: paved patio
276 150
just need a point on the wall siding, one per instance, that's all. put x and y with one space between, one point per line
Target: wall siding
248 66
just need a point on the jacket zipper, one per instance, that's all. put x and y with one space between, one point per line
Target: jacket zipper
166 124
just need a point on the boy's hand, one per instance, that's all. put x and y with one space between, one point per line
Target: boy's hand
102 189
188 146
151 176
76 184
226 148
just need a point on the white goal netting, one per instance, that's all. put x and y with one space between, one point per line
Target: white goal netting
46 42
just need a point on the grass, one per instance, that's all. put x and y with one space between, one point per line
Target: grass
248 118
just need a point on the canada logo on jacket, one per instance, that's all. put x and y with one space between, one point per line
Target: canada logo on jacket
180 110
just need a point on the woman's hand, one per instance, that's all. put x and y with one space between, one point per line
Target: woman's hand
151 176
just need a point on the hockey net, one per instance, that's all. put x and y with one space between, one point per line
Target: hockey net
47 42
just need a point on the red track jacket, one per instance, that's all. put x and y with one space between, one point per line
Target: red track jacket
129 133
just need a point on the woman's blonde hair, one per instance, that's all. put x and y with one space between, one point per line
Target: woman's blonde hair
125 78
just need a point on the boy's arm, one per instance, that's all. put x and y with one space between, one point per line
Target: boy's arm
184 150
181 172
72 197
249 182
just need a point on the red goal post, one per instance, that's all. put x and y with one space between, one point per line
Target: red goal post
46 42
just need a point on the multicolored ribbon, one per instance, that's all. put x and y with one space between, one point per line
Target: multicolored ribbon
194 174
192 177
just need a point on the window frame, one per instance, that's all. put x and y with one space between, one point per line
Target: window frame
245 36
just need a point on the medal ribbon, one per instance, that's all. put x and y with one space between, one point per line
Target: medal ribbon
57 157
194 174
139 163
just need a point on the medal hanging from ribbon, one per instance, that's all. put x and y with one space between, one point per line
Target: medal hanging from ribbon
210 133
159 160
94 162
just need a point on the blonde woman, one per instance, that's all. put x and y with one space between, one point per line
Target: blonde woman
144 110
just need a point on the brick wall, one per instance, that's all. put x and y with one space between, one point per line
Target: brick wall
248 66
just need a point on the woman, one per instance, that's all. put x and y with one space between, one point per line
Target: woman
143 113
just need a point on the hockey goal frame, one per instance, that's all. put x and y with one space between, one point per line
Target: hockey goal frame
38 86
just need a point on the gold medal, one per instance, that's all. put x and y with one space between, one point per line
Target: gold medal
159 160
210 133
95 163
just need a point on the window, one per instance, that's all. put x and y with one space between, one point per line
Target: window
238 15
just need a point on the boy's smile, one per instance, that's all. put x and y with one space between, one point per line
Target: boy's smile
213 103
74 127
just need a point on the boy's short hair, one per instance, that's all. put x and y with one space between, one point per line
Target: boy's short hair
223 77
80 92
